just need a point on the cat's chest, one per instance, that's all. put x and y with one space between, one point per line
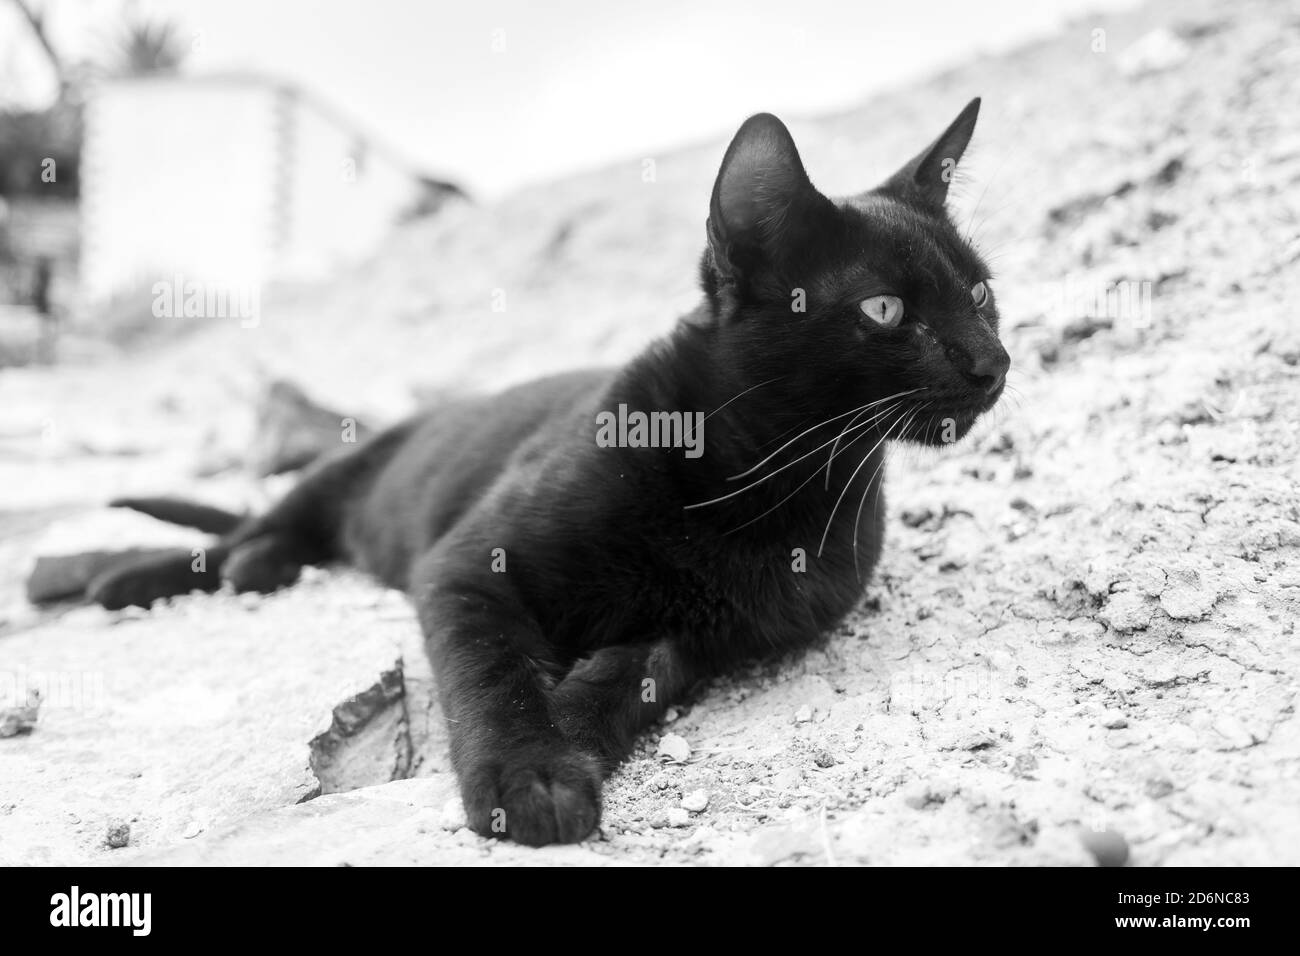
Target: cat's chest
637 568
740 600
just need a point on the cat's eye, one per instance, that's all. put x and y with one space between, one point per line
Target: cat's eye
885 310
979 292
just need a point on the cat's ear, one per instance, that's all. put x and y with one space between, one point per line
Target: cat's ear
927 176
762 200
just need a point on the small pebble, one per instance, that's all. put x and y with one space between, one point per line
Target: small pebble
787 779
1025 764
824 759
917 800
1158 787
1107 847
192 830
695 801
119 835
20 720
1169 433
674 747
1114 720
925 796
678 817
803 714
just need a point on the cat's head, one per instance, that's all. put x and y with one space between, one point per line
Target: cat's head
846 301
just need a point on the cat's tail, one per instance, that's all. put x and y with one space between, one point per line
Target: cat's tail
137 576
252 553
190 514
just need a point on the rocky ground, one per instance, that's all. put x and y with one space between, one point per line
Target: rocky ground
1080 644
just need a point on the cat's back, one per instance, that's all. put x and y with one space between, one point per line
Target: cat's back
454 452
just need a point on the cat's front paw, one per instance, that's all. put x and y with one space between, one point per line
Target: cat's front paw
535 795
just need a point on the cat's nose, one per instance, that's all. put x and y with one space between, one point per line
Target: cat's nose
989 370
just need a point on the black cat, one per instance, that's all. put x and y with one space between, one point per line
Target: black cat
584 549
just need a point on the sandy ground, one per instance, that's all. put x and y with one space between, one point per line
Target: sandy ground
1084 623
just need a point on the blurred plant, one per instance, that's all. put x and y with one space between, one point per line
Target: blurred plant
36 20
143 47
140 46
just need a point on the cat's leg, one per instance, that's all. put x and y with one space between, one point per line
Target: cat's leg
139 583
520 777
266 563
610 697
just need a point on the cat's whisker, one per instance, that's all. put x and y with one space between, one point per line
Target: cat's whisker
742 395
989 182
974 229
771 474
807 431
970 223
831 459
795 427
856 412
1014 394
835 453
1008 241
857 519
804 484
908 450
875 509
822 546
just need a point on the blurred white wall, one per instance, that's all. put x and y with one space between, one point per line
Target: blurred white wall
234 180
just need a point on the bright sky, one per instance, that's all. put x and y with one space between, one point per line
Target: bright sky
497 93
